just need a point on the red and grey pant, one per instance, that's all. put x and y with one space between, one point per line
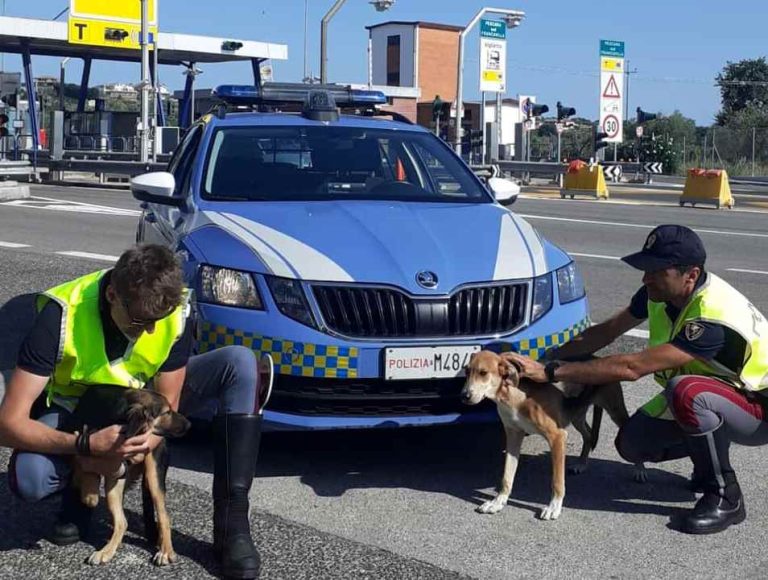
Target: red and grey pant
699 405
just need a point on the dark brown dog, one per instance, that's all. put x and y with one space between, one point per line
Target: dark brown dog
140 410
528 408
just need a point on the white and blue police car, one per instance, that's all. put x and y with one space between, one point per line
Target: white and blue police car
360 253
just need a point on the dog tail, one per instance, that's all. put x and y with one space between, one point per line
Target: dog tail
597 418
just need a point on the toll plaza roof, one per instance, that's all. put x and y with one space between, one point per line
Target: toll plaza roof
49 38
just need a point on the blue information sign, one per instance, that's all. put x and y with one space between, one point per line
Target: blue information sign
614 48
493 29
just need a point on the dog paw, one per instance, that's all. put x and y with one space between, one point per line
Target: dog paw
492 506
100 557
552 511
577 468
640 474
163 558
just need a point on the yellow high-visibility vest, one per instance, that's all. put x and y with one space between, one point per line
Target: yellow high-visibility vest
719 302
82 359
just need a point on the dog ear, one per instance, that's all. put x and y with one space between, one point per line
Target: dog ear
137 418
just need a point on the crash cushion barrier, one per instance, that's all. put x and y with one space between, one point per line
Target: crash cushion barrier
707 186
581 178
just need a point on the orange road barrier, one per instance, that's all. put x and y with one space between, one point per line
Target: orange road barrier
709 187
583 179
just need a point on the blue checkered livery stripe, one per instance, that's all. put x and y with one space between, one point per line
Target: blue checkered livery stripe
536 347
332 361
290 357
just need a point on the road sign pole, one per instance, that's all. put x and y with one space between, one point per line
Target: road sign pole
482 122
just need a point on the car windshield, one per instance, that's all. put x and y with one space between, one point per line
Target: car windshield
267 163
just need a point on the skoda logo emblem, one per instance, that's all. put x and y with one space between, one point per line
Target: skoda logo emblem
426 279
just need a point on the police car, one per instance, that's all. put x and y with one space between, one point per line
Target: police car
359 252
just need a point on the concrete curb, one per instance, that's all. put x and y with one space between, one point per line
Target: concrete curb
10 190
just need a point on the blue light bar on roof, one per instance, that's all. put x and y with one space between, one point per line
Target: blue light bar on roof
296 93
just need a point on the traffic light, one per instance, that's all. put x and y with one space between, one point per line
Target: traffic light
564 112
642 116
440 109
535 110
599 143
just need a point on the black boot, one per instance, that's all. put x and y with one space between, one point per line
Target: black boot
236 448
74 520
722 504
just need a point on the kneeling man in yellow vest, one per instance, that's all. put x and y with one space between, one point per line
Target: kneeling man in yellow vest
708 349
130 326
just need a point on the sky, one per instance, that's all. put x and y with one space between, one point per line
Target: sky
676 46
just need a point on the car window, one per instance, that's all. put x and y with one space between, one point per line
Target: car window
324 163
181 166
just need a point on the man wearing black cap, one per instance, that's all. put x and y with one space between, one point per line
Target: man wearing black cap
708 349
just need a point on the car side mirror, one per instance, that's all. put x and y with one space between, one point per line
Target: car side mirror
157 187
504 190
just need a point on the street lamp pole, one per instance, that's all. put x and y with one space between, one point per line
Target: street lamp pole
513 16
324 39
380 5
145 82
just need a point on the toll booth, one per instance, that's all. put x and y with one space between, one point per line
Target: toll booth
101 134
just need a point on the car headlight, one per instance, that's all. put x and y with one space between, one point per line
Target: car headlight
570 284
290 299
228 288
542 296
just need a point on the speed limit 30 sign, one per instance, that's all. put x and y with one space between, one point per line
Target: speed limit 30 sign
611 126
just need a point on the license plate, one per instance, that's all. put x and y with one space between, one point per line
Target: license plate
429 362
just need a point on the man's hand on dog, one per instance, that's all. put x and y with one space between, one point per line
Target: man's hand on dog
111 441
528 368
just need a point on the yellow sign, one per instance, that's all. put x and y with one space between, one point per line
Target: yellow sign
492 76
118 10
110 23
612 64
107 33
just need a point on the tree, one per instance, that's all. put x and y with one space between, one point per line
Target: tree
743 84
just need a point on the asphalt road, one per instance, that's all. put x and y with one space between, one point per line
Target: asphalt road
401 504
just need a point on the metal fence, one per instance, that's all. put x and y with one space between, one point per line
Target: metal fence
742 152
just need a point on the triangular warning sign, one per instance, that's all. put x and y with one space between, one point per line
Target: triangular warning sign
612 89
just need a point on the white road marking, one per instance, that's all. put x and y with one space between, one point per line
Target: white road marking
637 333
643 226
89 256
13 245
748 271
593 256
71 206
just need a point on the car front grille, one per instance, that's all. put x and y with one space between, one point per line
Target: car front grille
370 312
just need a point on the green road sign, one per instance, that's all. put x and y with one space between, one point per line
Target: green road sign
614 48
493 29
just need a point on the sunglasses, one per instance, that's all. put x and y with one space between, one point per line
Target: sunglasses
139 322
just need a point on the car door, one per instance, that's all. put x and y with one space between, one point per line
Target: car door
160 223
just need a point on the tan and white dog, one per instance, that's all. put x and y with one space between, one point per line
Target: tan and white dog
528 408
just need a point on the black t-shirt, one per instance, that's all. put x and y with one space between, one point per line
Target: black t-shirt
704 340
39 349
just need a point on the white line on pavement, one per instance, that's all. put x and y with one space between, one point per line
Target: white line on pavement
13 245
643 226
637 333
89 256
593 256
748 271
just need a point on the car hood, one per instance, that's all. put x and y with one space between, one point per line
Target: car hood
383 242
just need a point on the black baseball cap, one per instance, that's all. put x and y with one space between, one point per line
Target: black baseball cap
666 246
